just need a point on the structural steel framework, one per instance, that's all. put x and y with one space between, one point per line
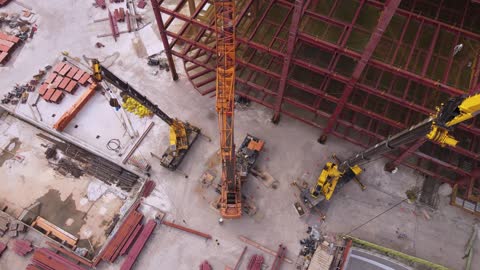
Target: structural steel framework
356 69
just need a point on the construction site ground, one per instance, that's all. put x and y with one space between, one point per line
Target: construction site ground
377 214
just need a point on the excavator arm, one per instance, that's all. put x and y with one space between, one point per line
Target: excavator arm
435 128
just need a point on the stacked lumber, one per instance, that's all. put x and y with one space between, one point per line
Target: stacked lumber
255 263
119 240
138 245
119 14
68 116
22 247
46 259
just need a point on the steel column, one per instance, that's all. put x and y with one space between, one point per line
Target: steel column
163 35
383 22
292 39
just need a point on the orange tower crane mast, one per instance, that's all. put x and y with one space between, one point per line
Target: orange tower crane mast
230 199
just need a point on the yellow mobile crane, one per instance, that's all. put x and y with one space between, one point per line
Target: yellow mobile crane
182 134
436 128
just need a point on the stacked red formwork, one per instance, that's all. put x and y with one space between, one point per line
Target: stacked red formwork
205 266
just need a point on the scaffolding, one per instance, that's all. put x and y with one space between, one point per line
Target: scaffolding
356 69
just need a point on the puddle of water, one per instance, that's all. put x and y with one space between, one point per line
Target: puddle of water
64 214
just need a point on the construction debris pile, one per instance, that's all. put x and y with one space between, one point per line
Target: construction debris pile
9 226
15 29
70 159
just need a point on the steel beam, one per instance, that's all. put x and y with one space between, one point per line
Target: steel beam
383 22
292 39
163 35
453 28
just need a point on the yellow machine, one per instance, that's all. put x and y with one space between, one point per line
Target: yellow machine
182 134
436 128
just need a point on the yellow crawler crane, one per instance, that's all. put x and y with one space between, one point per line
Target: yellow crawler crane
435 128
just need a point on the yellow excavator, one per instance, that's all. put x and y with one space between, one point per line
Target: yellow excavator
182 134
435 128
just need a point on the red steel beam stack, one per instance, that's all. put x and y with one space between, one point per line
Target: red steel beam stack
116 244
46 259
255 263
185 229
138 245
22 247
70 254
